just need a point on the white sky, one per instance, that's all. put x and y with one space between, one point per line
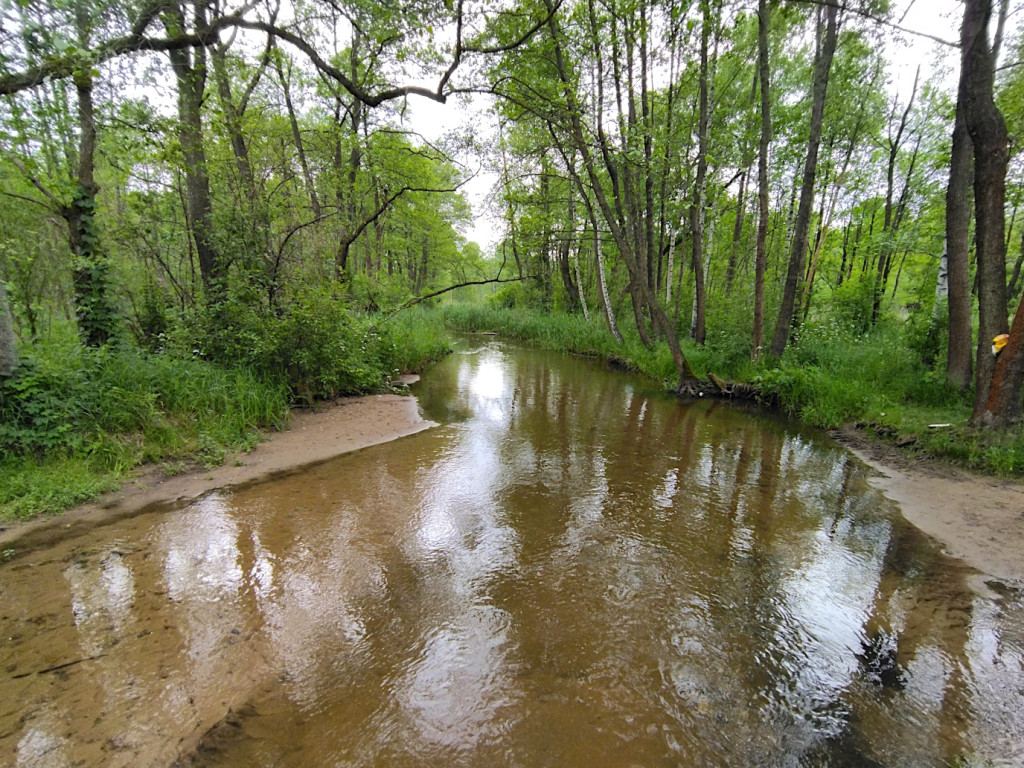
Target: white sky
939 18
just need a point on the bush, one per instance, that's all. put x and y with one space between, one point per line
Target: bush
313 344
70 400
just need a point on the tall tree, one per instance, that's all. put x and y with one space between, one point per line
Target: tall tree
761 246
958 213
890 224
822 66
189 67
570 107
698 329
988 134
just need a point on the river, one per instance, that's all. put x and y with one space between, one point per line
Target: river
573 569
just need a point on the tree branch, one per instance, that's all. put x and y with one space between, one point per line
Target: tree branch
843 6
58 204
64 66
417 299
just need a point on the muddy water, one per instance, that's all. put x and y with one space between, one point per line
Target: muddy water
573 570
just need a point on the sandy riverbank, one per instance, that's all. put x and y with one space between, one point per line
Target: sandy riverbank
344 425
977 519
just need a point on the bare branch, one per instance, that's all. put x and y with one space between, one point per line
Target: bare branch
844 6
417 299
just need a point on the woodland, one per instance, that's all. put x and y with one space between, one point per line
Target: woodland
212 211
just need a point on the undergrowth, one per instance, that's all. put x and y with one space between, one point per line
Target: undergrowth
75 420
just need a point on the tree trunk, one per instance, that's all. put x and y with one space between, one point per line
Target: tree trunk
636 274
737 236
697 325
987 129
300 147
803 218
761 247
232 120
958 210
1011 289
606 304
8 341
93 304
579 281
190 74
671 264
1003 408
564 248
888 228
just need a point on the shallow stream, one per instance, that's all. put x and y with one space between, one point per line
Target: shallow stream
573 569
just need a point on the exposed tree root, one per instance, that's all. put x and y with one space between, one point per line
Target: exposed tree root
723 390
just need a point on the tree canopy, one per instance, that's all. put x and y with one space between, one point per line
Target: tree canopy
170 168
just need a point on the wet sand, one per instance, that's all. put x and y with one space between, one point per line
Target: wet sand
977 519
344 425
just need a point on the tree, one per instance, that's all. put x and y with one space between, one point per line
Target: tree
611 209
958 207
987 130
698 330
71 191
189 67
762 174
823 63
8 341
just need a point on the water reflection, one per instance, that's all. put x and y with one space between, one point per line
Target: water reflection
575 570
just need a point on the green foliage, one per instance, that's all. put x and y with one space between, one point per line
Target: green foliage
314 344
416 337
68 400
851 305
100 412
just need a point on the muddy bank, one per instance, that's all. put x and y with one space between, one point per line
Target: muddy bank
344 425
977 519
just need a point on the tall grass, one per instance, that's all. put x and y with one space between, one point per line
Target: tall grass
74 420
415 338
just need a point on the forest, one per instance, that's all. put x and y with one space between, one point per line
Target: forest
213 211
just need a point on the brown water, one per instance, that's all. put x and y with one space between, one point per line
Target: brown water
574 570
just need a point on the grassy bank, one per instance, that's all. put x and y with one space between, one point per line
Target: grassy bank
75 421
831 375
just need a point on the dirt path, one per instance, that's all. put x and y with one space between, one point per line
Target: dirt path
976 518
347 424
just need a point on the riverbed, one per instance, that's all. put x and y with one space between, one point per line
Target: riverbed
572 568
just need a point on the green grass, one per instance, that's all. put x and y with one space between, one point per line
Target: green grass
31 486
74 421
